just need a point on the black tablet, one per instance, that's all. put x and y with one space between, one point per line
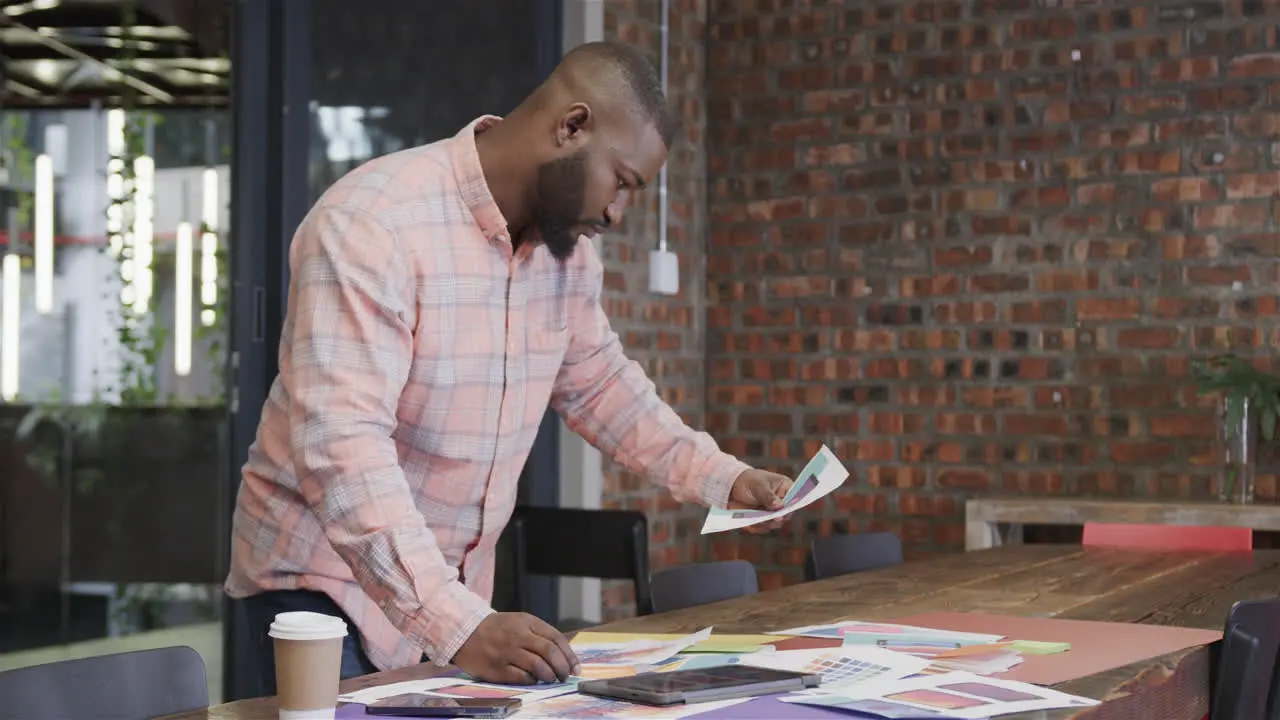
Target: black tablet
705 685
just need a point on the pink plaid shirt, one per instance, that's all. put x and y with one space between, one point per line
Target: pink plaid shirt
418 356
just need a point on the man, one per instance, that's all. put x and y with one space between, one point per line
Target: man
440 299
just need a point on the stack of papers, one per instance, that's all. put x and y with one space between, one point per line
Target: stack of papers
602 660
950 696
947 650
892 636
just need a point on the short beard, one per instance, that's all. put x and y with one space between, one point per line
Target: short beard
561 193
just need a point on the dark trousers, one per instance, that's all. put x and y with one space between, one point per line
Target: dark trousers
258 611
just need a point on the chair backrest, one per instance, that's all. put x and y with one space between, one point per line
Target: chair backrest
1167 537
573 542
1245 687
126 686
843 554
702 583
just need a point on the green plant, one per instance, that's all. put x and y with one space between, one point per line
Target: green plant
16 126
1236 380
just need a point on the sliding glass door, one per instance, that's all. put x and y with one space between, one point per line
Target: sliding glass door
335 84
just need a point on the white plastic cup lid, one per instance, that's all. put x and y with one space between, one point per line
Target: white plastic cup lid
307 626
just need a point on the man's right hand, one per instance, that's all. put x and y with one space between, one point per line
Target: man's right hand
517 649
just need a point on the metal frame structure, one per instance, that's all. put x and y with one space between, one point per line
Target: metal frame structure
271 44
73 53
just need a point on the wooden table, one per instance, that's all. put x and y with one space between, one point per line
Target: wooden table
995 521
1186 589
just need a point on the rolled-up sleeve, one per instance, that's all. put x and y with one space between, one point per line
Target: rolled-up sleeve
610 401
352 313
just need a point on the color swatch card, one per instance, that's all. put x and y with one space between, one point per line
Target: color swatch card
841 668
823 474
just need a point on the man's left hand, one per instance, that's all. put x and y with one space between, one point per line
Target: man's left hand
760 490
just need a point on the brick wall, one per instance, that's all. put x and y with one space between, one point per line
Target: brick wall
665 334
973 246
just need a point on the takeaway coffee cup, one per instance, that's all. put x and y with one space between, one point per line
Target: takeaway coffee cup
308 650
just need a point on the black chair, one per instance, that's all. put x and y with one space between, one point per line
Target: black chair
1245 688
572 542
843 554
702 583
126 686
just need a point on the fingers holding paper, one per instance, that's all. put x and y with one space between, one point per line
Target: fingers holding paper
761 490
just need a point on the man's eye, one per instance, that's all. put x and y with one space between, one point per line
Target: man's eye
622 184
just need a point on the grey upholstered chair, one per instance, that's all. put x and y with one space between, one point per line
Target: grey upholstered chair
701 583
843 554
137 685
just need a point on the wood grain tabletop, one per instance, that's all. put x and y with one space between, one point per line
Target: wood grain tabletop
1188 589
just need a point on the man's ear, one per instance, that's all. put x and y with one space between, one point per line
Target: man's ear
573 126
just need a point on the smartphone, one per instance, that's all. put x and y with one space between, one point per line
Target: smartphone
432 706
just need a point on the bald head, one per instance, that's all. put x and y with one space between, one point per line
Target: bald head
614 78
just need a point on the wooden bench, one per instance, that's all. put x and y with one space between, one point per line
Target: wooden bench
994 521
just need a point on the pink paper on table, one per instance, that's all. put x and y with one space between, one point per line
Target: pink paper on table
1095 646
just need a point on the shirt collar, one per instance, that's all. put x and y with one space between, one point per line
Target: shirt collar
470 178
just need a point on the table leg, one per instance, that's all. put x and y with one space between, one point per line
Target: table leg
980 535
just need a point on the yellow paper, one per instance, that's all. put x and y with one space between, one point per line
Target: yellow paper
1035 647
728 643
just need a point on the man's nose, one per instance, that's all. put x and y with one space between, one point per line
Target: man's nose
613 214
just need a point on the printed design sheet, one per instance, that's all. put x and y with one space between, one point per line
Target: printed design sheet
955 696
823 474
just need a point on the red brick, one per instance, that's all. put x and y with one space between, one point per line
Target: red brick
1182 425
1149 338
1153 103
964 480
1142 453
1054 424
1253 185
1126 308
1217 274
1253 66
1150 161
1230 216
1067 281
1185 70
835 155
1186 189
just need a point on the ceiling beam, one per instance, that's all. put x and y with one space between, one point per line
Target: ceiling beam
205 20
96 49
126 76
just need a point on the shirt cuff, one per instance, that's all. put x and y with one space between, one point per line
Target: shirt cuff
457 613
719 482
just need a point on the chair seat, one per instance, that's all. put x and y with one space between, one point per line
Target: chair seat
569 625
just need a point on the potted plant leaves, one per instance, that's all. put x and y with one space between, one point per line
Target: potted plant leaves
1249 408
